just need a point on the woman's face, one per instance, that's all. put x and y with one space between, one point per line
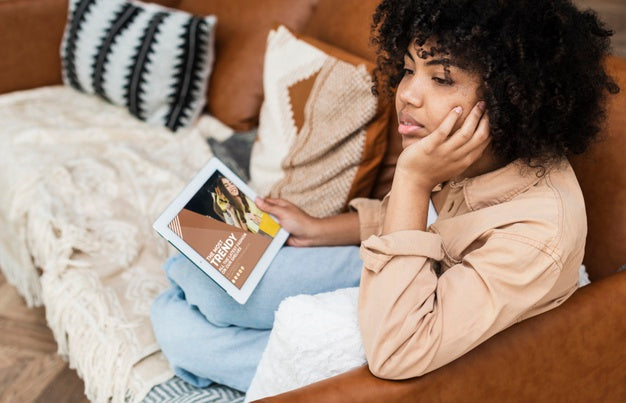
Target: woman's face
429 90
232 189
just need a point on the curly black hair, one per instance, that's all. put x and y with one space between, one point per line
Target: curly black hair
541 63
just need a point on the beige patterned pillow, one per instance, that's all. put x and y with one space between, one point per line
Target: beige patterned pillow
322 133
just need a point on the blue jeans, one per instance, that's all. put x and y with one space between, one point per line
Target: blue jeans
208 337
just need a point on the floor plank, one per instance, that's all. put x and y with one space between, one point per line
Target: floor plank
30 368
34 378
65 388
12 306
26 335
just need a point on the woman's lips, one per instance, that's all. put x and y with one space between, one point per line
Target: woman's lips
410 127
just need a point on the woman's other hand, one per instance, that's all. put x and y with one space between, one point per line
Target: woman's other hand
302 227
306 230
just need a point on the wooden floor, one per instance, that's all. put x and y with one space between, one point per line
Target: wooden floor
30 369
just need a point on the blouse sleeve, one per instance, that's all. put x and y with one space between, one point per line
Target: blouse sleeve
413 322
370 217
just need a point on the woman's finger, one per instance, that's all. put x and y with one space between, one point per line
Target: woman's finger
473 149
445 128
277 202
266 205
467 131
480 136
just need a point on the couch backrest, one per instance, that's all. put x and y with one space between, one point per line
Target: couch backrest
236 85
330 24
30 36
601 172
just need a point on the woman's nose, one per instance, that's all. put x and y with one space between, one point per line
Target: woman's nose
411 91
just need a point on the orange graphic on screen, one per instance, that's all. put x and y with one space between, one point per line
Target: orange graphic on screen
226 228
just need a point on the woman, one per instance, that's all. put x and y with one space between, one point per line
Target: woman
511 229
491 95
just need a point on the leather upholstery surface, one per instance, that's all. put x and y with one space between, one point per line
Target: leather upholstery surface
236 86
601 172
30 36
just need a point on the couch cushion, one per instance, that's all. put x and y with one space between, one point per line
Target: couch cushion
153 60
236 87
322 133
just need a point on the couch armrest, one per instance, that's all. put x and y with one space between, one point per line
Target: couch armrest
575 352
30 37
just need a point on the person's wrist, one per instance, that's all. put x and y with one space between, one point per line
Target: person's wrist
405 180
313 231
416 175
318 229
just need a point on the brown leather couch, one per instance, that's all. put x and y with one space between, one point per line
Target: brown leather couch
576 352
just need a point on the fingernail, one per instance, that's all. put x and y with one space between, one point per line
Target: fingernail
481 105
458 110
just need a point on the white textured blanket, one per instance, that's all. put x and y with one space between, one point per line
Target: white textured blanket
314 337
82 182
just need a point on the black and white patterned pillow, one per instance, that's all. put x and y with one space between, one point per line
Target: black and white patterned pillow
153 60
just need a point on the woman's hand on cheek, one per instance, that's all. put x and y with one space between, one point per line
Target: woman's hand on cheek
442 156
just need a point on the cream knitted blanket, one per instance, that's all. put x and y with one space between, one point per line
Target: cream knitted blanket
82 182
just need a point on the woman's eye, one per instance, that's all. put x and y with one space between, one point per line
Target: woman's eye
443 81
407 72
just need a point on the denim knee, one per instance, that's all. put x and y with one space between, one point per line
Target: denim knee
200 352
201 293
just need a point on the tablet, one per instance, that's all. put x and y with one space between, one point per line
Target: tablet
216 224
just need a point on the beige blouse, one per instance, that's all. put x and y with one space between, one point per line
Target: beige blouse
506 246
